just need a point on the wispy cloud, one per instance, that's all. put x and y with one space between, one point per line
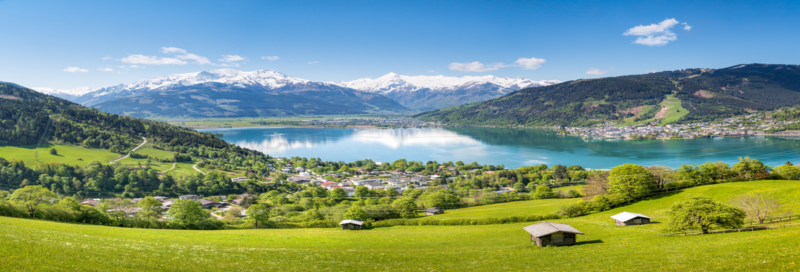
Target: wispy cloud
313 62
272 58
106 69
595 71
75 70
656 34
475 66
181 57
431 71
529 64
231 58
107 58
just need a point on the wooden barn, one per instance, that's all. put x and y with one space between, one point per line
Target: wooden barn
627 219
432 211
351 224
552 234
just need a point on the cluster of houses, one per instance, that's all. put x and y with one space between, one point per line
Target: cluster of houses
166 202
749 125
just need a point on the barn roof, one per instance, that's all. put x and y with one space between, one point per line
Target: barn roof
352 221
432 210
545 228
625 216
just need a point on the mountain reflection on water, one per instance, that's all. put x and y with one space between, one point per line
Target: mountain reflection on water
510 147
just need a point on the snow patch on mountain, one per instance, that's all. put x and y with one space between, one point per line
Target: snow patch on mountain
392 82
74 91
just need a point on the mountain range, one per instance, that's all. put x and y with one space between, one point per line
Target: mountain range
432 92
689 95
228 92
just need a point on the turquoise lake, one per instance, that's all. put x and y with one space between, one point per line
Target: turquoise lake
511 147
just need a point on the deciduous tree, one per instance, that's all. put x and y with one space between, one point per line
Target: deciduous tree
31 197
703 213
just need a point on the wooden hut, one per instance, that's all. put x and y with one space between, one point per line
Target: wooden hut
552 234
432 211
351 224
627 219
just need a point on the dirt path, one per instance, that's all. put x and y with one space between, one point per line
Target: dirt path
198 170
129 153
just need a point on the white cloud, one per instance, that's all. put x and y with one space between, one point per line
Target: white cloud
181 58
595 71
134 66
272 58
231 58
313 62
107 58
121 66
655 34
476 66
172 50
142 59
687 27
106 69
75 70
529 64
197 59
431 71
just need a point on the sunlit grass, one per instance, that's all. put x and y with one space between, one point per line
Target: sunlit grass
66 154
32 245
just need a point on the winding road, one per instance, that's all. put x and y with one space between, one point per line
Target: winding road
129 153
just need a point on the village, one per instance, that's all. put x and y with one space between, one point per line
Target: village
743 126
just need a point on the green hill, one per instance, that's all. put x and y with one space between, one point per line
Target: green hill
49 246
702 94
30 120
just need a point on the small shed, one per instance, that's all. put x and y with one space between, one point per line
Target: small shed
432 211
628 218
552 234
351 224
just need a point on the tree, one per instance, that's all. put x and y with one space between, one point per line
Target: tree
749 169
187 212
53 151
520 187
338 193
355 212
757 206
661 174
704 214
630 181
258 213
441 199
149 203
31 197
543 191
406 207
596 184
362 191
788 171
70 203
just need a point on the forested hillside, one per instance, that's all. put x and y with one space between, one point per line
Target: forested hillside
29 118
707 94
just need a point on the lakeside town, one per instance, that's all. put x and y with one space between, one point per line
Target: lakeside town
741 126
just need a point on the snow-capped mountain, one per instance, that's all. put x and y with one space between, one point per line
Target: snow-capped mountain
68 94
228 92
432 92
261 79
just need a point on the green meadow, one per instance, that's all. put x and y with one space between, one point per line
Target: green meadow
66 154
27 245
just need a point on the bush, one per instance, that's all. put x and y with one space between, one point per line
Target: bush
463 221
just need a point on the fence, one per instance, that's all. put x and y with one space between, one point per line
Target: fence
750 228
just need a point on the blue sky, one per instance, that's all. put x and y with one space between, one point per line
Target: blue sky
64 45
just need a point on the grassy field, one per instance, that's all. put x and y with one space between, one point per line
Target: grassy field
529 207
27 245
148 150
66 154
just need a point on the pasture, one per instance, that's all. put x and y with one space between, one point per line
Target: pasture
66 154
49 246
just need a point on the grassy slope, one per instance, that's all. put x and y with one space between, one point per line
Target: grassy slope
40 245
66 154
672 103
530 207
